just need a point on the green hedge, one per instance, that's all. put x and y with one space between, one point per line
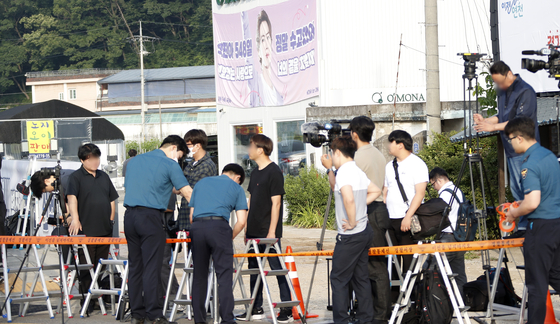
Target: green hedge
149 145
306 199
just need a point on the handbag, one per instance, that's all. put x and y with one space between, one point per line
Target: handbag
430 218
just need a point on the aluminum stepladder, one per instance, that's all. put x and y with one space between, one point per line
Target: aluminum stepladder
185 286
403 303
95 290
262 274
68 280
26 297
393 260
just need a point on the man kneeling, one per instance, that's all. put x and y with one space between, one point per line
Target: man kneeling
212 201
353 192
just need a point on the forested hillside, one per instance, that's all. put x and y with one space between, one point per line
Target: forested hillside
43 35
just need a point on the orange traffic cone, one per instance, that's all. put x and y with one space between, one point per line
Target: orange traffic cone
291 265
550 318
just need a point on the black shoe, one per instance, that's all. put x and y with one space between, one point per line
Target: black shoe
90 305
163 320
517 234
257 313
285 315
137 320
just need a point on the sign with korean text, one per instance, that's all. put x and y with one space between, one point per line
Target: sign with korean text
39 134
267 56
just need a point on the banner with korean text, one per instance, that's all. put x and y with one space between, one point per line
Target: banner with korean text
267 56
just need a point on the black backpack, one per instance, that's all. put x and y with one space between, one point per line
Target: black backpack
465 228
430 302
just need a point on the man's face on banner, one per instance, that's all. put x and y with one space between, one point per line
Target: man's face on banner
266 44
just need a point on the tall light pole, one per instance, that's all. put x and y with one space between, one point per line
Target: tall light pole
142 103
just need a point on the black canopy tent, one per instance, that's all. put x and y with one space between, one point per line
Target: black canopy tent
98 129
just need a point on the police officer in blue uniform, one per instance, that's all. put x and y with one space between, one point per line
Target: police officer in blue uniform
213 199
149 182
540 181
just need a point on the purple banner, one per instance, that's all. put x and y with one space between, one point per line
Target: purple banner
267 56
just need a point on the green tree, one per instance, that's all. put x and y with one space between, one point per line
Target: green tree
487 95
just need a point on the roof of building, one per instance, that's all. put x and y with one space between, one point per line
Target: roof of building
10 131
546 115
176 73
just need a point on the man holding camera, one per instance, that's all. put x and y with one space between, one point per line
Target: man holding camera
150 179
370 160
515 98
353 191
91 202
539 181
213 199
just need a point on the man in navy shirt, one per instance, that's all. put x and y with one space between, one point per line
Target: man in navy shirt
149 182
515 98
213 199
540 174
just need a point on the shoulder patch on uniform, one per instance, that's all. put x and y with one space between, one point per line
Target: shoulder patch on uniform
524 173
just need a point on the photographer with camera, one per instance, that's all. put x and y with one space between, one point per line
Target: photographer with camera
541 202
353 191
150 179
515 98
413 177
370 160
91 201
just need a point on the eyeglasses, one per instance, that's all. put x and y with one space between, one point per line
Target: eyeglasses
432 183
512 138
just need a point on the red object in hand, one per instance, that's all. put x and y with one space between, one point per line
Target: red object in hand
502 210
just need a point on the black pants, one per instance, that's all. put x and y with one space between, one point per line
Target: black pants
143 228
456 262
399 237
95 252
212 238
377 266
350 264
275 264
542 264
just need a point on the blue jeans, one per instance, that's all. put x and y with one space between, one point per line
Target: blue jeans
514 165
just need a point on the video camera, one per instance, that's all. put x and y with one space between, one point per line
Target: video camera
54 172
552 66
318 134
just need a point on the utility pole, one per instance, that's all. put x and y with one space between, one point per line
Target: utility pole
143 137
433 103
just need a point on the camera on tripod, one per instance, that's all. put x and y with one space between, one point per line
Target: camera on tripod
53 172
552 65
318 134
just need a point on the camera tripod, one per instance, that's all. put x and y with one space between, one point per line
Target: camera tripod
473 159
59 190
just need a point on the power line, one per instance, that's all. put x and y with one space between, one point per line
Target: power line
483 29
67 34
172 24
419 51
472 24
465 25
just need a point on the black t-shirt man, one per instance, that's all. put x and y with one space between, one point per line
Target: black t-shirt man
263 185
94 195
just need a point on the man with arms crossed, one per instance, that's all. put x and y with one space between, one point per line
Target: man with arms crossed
370 160
352 192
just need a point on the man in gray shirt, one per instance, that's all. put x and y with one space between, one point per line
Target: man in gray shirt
370 160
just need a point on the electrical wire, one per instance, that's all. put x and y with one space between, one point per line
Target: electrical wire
465 25
442 59
483 29
472 24
172 24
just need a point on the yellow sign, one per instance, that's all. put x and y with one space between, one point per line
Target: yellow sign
39 134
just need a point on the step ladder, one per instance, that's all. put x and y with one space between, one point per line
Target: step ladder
174 265
185 289
393 260
94 289
69 278
25 208
262 274
403 303
25 297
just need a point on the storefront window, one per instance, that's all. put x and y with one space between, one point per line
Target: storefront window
291 149
243 136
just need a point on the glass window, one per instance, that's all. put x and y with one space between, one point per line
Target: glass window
61 96
72 94
291 149
243 134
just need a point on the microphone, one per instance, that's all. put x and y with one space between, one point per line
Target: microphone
530 52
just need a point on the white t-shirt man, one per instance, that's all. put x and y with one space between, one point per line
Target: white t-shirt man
446 196
412 171
350 174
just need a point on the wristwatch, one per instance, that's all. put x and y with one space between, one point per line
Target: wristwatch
112 223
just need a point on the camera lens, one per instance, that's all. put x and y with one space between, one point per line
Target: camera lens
532 65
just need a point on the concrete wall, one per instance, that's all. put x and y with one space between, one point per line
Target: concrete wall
86 91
